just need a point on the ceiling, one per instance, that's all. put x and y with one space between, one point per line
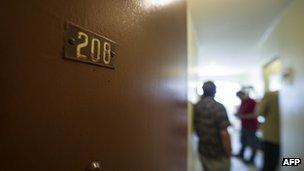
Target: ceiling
229 32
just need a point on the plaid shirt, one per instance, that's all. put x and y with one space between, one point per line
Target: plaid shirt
210 117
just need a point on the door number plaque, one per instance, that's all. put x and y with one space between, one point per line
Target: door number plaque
85 46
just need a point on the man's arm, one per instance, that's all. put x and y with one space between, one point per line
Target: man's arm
250 110
195 120
247 116
223 123
225 138
260 109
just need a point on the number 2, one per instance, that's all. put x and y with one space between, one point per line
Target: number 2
82 45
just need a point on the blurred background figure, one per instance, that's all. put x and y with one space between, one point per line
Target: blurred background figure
249 126
210 124
258 56
269 108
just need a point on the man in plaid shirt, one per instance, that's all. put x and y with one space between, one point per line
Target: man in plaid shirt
210 124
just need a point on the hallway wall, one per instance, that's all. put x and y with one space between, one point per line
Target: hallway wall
59 115
287 41
271 69
192 62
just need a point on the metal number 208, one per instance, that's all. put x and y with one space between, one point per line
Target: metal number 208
95 54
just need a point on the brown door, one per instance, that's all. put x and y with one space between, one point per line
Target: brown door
60 115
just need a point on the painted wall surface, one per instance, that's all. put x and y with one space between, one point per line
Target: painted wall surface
192 58
271 69
290 47
58 115
192 95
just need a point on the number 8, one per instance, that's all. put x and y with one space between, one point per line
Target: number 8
106 53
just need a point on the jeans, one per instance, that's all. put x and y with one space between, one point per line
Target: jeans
249 138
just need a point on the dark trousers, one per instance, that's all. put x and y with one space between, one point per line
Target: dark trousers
271 156
248 138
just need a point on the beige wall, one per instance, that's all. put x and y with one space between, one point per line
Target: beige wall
287 41
192 60
273 68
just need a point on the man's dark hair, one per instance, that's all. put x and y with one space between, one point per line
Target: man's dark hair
209 89
240 93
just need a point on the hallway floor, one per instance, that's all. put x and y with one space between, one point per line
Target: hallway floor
236 164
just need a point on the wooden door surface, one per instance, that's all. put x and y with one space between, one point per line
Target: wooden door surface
60 115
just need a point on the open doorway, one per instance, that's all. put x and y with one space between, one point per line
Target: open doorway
227 86
224 46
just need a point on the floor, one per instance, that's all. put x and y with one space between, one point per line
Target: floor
236 164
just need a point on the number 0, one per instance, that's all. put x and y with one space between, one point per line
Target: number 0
97 58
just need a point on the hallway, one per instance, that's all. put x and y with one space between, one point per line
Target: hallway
256 44
236 164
